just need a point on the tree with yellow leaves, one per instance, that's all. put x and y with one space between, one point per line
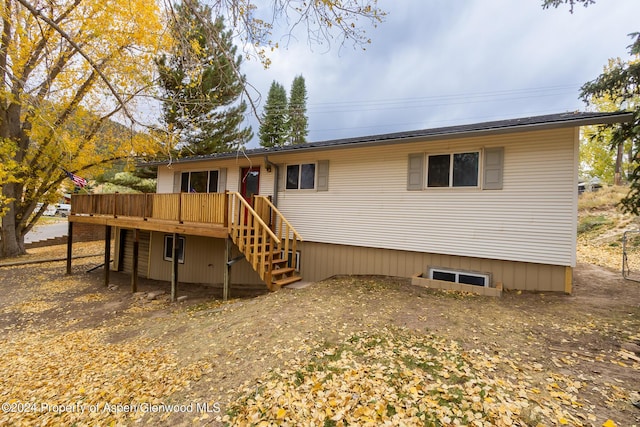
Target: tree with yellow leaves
68 70
599 158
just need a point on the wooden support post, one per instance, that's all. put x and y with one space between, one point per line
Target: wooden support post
174 268
69 246
134 272
226 208
227 269
568 280
107 254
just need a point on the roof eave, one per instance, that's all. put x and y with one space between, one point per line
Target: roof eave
389 139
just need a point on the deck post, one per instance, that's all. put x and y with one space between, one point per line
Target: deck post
107 254
227 269
69 246
174 268
226 208
134 269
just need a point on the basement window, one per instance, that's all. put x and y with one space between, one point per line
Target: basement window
290 259
168 248
459 276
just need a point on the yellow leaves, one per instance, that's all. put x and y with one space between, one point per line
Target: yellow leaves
385 377
609 423
66 102
34 306
80 367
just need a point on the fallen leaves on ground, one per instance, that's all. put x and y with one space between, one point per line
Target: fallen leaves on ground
399 377
43 373
346 351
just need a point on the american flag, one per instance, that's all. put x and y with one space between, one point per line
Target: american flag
77 180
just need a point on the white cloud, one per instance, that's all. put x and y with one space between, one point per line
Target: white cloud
438 62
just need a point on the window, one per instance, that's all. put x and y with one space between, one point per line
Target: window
453 170
464 277
199 182
168 248
289 258
301 177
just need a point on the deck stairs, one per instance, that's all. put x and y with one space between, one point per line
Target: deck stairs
265 238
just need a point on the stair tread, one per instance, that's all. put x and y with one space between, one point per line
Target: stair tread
287 280
271 253
281 271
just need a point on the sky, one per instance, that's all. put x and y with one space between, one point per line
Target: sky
436 63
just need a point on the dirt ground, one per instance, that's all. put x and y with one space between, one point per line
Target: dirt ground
69 339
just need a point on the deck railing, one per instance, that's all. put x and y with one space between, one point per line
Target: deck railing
262 234
206 208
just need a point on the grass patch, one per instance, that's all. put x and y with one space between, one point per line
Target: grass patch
606 198
593 222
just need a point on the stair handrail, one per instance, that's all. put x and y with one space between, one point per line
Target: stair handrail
260 261
296 235
238 196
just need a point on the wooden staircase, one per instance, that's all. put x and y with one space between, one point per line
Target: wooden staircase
266 239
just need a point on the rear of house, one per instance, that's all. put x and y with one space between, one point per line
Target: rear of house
487 204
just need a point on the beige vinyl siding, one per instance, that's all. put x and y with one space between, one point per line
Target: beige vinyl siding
233 166
204 262
532 219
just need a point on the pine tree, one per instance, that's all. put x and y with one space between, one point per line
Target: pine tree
201 86
297 111
274 129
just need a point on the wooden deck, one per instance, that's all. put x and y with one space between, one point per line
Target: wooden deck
262 234
184 213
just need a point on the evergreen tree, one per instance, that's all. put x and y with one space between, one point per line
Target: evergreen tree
274 129
297 111
202 88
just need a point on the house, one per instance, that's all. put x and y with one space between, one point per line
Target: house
487 204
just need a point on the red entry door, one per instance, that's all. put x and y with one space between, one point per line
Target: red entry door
250 183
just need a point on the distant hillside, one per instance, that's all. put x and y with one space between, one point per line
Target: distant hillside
601 225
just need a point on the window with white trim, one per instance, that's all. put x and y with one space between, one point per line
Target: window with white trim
453 170
199 182
301 176
459 276
168 248
290 259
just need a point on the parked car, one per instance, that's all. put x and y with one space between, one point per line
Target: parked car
50 210
63 209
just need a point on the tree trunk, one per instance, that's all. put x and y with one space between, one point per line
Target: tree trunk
12 243
618 171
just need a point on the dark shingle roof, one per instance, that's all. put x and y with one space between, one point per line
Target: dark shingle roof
549 121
